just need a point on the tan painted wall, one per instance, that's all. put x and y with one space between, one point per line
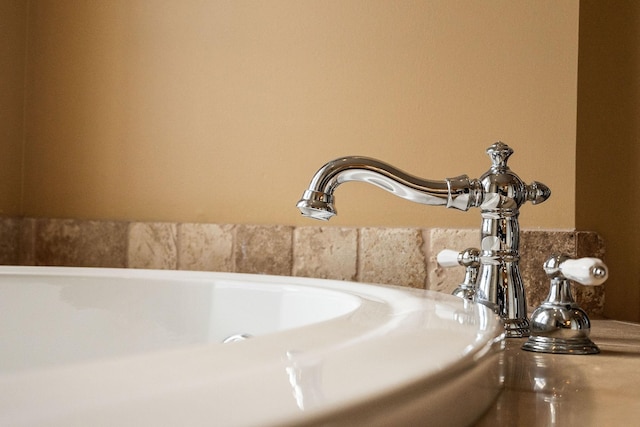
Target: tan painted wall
221 111
13 30
608 172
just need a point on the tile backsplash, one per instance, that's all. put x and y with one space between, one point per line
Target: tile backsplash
396 256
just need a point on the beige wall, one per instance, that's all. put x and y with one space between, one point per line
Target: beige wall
608 156
13 30
221 111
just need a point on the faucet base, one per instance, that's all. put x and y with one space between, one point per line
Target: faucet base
513 328
555 345
516 328
501 289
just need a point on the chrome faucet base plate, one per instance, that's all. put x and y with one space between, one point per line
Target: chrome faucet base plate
516 328
543 344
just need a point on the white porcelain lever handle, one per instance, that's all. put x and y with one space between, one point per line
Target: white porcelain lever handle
469 258
448 258
588 271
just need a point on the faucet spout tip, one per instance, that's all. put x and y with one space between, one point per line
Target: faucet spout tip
316 205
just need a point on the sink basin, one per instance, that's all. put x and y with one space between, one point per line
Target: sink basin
83 346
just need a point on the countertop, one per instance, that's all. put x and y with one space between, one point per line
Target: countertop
569 390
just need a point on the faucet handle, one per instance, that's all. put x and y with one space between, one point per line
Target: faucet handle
559 325
470 259
448 258
451 258
586 271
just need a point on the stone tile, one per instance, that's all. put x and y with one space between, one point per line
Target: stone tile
153 245
536 246
77 243
206 247
27 250
393 256
447 279
264 249
325 252
9 240
590 244
401 256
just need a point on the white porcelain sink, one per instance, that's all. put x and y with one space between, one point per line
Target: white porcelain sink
118 347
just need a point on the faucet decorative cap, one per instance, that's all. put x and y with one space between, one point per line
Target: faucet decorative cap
499 154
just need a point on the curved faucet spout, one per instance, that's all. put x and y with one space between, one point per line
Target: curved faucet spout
318 201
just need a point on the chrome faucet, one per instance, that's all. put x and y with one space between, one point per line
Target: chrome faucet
498 193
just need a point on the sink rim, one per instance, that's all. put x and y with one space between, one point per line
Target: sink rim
387 314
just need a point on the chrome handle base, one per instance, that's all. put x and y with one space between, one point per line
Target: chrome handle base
559 325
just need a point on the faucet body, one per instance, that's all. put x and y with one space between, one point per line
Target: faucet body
498 193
